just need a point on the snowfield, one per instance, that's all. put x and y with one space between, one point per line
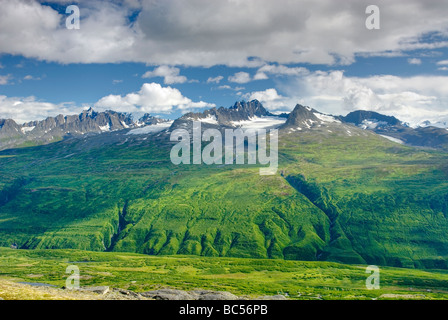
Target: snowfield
392 139
27 129
326 118
105 128
152 128
269 122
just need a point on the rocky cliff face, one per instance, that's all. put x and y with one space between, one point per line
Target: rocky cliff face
224 117
56 128
9 129
423 136
302 117
364 118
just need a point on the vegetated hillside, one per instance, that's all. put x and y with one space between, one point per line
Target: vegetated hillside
340 194
244 277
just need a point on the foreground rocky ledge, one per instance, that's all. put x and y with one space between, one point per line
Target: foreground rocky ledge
10 290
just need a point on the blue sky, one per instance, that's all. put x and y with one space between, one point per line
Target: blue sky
166 58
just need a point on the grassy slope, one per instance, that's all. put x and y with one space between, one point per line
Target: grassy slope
359 199
241 276
387 203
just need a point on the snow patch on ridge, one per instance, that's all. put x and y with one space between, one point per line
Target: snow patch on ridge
151 128
27 129
105 128
326 118
210 119
392 139
268 122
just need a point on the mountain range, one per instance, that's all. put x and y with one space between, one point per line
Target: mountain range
91 122
350 189
56 128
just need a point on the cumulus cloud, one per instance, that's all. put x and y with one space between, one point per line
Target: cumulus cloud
169 74
240 77
411 99
279 70
152 98
206 33
442 63
215 79
24 109
271 99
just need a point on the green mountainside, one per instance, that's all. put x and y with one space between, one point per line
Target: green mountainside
351 198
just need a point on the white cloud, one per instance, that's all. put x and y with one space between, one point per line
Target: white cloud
227 87
5 79
240 77
152 98
230 32
443 68
410 99
262 73
30 77
215 79
260 76
414 61
270 99
24 109
169 74
279 70
442 63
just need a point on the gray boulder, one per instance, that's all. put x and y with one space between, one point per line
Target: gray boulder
168 294
99 289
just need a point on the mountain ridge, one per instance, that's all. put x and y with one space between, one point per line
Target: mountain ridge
56 128
301 118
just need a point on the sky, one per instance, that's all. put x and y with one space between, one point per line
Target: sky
169 57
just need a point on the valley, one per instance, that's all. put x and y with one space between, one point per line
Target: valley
341 194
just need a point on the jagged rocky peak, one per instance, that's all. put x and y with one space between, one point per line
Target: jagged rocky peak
89 113
301 117
251 108
9 128
240 111
304 118
53 128
148 119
